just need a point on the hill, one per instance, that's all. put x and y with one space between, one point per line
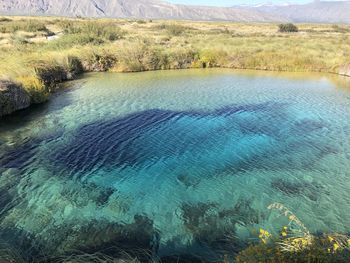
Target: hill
145 9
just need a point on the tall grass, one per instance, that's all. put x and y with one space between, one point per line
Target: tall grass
8 26
105 30
296 244
123 46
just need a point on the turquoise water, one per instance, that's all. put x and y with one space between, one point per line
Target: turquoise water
174 163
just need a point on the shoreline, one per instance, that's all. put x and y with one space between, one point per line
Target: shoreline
52 84
37 65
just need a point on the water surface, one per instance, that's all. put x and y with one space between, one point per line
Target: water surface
176 162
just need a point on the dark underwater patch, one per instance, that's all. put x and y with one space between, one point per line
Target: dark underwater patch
214 228
182 259
8 181
138 239
187 180
133 140
110 142
313 191
21 155
20 245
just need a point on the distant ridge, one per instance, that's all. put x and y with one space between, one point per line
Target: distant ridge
315 12
129 9
318 11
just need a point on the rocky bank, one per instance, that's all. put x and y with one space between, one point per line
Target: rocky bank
12 98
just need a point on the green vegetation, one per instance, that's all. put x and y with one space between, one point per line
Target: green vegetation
288 28
22 25
173 29
296 244
67 47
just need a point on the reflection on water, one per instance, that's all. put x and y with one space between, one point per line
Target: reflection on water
171 163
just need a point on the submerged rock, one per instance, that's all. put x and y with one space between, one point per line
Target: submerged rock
12 98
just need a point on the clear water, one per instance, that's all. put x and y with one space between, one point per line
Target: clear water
175 162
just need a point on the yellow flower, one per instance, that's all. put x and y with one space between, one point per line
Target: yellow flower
335 246
330 239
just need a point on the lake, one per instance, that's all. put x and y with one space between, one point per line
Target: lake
168 163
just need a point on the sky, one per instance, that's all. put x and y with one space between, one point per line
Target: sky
236 2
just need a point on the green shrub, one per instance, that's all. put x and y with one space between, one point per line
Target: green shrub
287 28
5 19
74 66
95 30
84 33
18 40
67 41
340 29
38 92
154 59
23 25
50 75
140 21
181 58
210 58
98 61
173 29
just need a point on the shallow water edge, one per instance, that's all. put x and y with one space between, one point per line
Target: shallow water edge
53 81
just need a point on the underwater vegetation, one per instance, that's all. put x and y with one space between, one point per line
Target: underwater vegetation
78 205
300 188
172 170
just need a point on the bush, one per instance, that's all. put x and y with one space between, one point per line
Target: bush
50 75
181 58
287 28
73 67
340 29
67 41
95 30
18 40
140 21
84 33
35 87
173 29
23 25
210 58
98 61
5 19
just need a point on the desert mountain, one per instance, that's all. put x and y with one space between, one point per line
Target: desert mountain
318 11
129 9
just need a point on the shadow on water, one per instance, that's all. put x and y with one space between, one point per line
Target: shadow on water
266 129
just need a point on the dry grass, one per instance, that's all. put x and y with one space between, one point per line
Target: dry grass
296 244
135 45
